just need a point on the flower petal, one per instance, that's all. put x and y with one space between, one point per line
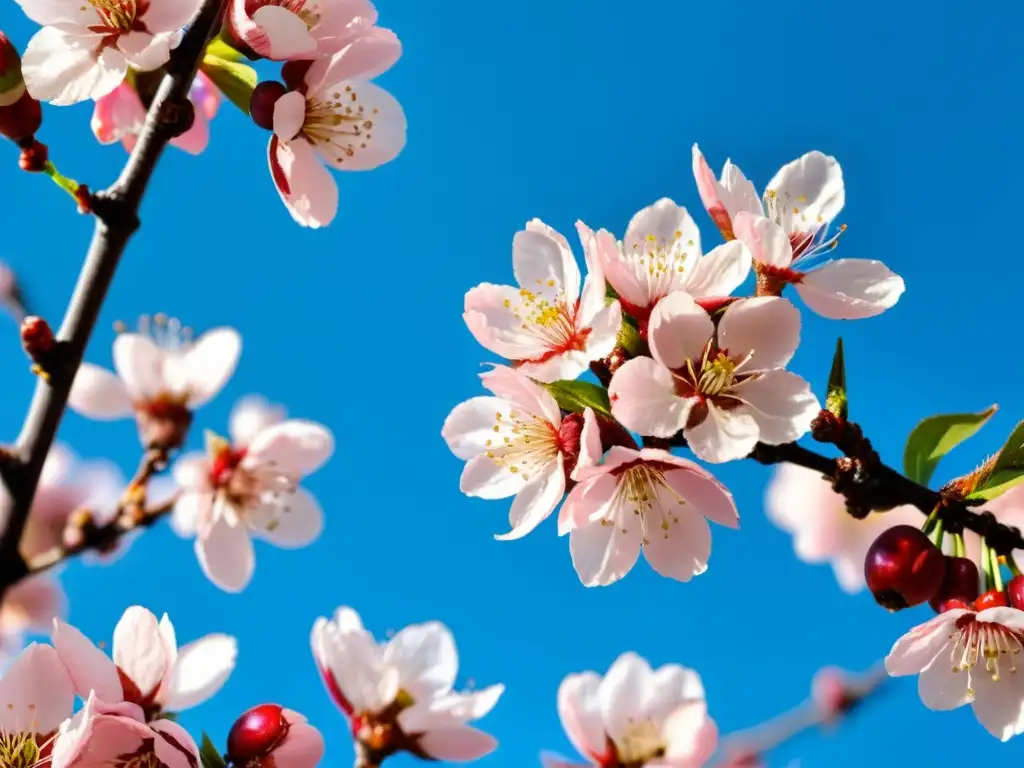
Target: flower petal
703 492
381 136
536 500
720 271
207 366
723 435
809 192
682 550
425 657
579 707
767 327
99 394
998 704
89 667
782 404
289 521
919 647
139 650
65 69
140 364
251 415
371 54
468 430
665 233
518 389
941 686
303 747
173 746
602 551
200 670
692 736
457 745
643 398
226 554
306 187
146 52
290 109
169 17
287 34
295 447
678 330
622 692
544 265
485 478
35 689
850 289
767 241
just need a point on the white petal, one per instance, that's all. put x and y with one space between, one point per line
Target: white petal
484 478
999 704
251 415
678 330
140 364
65 69
536 500
35 690
916 649
623 691
603 554
307 188
849 289
90 668
782 404
767 241
579 707
671 686
290 109
200 670
682 551
290 521
809 192
146 52
518 389
226 554
940 686
723 435
720 271
206 367
469 428
139 650
450 710
99 394
425 657
457 745
644 400
295 447
286 32
192 472
544 264
768 327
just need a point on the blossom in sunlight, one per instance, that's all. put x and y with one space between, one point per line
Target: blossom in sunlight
660 254
249 416
398 695
802 502
545 325
330 113
968 657
649 500
146 669
31 605
236 492
272 735
120 115
85 47
299 29
103 734
36 696
516 443
636 716
725 387
162 376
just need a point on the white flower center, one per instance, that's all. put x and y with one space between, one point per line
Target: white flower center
642 742
713 376
976 641
659 263
116 15
340 126
807 238
643 490
522 443
551 320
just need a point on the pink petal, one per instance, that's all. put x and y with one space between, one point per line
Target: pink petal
565 365
519 390
306 187
469 428
205 95
536 500
89 667
290 521
589 501
919 647
767 241
118 114
173 745
850 289
644 400
226 555
782 404
767 327
622 692
99 394
591 448
140 364
382 135
678 330
289 110
809 192
286 33
603 554
302 747
64 68
251 415
723 435
490 314
200 670
720 271
604 329
457 745
32 604
145 51
195 139
425 657
207 366
544 265
373 53
683 550
705 494
169 17
711 193
579 708
35 692
484 478
139 649
669 228
691 734
295 447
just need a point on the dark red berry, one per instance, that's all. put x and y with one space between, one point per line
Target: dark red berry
256 732
21 119
261 104
903 568
294 74
961 582
1015 592
994 598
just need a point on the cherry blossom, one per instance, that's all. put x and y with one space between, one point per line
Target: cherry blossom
398 694
147 669
802 502
332 114
120 115
661 254
236 492
967 657
299 29
84 49
545 325
31 605
516 443
649 500
636 716
725 387
36 696
103 734
162 376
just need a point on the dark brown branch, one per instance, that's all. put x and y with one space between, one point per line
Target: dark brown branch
116 210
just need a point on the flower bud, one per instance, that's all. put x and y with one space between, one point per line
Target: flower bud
12 86
261 104
256 732
21 119
36 338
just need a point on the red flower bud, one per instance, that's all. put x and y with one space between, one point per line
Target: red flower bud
11 84
36 338
903 568
256 732
261 103
21 120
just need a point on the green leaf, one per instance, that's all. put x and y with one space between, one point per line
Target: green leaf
209 755
221 49
629 339
577 396
835 399
1007 469
936 436
234 79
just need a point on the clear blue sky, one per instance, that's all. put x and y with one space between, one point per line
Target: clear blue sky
561 109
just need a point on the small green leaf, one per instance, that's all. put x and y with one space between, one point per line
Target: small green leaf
577 396
629 339
209 755
1007 470
835 399
234 79
936 436
609 292
222 50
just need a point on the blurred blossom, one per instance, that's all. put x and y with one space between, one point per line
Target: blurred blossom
31 605
802 502
250 416
398 695
36 696
11 297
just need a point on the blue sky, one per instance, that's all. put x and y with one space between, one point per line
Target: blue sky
560 109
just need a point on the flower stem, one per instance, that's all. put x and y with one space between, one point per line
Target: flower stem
997 571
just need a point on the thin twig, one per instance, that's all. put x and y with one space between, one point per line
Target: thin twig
116 210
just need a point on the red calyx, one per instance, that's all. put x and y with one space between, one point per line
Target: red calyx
960 582
256 732
903 568
1015 592
261 103
224 464
21 119
994 598
569 434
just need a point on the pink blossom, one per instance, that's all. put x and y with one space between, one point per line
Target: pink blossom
636 716
148 671
31 605
102 734
725 387
517 444
84 49
405 684
968 657
119 116
650 500
802 502
11 298
270 735
299 29
332 114
236 492
545 325
661 254
36 696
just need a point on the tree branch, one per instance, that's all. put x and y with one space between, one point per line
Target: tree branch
116 210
